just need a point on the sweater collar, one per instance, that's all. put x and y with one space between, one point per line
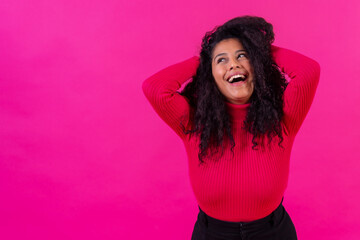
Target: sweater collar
237 112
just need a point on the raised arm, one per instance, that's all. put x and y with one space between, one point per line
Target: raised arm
161 91
299 94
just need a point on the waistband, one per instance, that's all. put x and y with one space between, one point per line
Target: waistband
217 224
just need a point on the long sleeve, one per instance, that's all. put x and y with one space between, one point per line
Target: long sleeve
299 94
161 91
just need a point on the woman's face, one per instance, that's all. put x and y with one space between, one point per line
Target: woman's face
232 71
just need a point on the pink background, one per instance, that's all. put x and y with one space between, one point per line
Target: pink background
84 156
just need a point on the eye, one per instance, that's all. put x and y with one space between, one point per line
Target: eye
219 60
242 55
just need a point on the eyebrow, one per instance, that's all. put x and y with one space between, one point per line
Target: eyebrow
221 54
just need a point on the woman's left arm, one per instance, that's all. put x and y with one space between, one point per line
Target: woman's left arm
304 73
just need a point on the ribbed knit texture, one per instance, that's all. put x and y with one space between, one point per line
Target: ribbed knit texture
248 184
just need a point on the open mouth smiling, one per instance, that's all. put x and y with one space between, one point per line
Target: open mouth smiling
237 78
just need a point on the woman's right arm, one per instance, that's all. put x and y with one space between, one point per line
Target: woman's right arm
161 91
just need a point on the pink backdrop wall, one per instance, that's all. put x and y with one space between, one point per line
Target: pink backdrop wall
84 156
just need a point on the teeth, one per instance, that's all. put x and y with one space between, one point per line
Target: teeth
236 76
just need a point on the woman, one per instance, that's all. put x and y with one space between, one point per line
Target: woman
238 118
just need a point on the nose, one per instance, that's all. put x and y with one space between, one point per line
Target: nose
234 64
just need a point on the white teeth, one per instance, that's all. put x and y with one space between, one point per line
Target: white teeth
236 76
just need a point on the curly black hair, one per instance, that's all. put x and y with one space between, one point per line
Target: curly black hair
210 119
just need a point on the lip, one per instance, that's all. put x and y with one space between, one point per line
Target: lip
236 73
238 83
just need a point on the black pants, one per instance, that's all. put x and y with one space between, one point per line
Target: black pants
276 226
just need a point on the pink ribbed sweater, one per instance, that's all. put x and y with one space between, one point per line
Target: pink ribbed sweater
248 184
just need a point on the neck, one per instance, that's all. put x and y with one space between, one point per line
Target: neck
237 112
